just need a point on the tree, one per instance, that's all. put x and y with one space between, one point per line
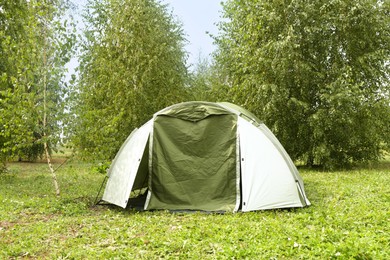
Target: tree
57 44
200 80
316 72
12 15
132 64
32 86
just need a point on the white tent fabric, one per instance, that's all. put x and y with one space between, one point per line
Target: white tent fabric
125 166
290 163
267 181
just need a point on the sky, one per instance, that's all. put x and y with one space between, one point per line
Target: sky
197 17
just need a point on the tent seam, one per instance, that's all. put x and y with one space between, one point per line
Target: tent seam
238 169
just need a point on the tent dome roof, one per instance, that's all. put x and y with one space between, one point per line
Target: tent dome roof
198 110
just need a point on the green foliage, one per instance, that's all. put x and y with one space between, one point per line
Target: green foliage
11 27
102 167
132 65
35 44
200 80
348 219
317 73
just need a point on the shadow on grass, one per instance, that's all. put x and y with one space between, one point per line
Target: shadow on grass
381 165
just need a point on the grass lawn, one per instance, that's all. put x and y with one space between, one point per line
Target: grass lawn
349 219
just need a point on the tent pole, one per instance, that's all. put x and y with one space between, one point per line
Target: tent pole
97 196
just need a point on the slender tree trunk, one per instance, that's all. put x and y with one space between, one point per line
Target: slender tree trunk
45 143
53 174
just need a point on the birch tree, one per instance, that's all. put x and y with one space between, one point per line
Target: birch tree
33 86
132 64
317 73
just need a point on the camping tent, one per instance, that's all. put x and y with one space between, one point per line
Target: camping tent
205 156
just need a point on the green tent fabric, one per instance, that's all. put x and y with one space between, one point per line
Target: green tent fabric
181 146
205 156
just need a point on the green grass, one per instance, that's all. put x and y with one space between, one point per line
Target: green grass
349 219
